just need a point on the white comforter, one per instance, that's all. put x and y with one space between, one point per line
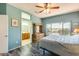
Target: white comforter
63 39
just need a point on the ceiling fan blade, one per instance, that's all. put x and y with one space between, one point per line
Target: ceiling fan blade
39 6
41 11
57 7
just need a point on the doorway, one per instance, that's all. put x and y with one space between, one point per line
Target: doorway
26 31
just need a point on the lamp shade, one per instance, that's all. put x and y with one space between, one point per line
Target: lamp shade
76 30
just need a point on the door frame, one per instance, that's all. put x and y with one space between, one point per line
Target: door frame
30 30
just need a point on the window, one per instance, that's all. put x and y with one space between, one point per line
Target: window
25 16
75 28
25 26
66 28
48 29
58 28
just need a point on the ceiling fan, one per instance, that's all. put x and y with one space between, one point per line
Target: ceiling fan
47 6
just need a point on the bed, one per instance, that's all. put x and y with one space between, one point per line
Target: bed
61 45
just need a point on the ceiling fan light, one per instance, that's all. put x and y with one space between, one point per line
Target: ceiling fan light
46 11
49 5
47 8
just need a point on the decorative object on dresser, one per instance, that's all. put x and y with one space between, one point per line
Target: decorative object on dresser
37 33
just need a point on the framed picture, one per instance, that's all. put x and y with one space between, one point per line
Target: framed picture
15 22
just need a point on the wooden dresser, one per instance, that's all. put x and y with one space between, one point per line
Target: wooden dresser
37 37
37 32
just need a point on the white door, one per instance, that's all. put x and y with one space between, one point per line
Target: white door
3 33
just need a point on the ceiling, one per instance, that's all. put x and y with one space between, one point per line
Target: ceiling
64 8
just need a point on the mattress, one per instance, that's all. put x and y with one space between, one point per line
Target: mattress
73 48
58 45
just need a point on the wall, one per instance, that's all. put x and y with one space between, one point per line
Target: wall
15 32
69 17
2 8
36 20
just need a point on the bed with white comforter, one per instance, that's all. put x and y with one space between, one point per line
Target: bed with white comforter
60 44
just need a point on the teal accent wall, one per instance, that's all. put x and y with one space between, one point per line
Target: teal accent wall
14 33
69 17
36 20
2 8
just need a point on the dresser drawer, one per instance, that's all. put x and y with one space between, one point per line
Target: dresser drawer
38 36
